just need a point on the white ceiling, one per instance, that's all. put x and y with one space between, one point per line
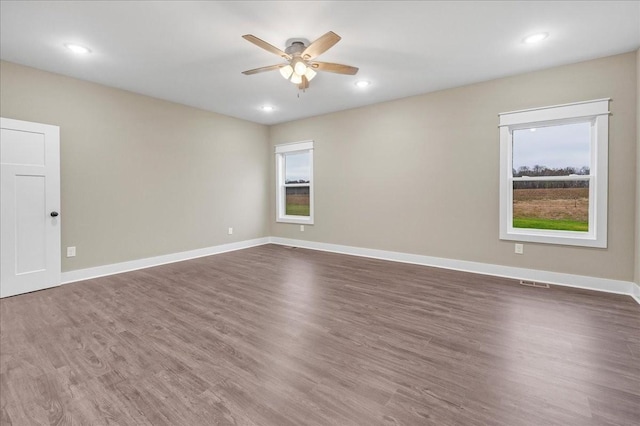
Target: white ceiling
192 52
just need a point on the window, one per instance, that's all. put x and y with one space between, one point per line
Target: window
294 175
553 174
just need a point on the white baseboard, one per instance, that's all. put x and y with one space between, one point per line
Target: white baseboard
635 292
557 278
568 280
118 268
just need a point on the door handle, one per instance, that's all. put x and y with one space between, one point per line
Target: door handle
54 214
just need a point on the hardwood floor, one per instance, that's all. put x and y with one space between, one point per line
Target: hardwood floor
279 336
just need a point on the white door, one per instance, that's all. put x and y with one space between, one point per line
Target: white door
29 206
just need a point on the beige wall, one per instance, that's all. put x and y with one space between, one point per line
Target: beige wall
420 175
142 177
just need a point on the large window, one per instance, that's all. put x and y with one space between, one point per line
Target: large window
294 175
553 178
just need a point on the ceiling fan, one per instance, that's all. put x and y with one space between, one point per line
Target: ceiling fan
301 67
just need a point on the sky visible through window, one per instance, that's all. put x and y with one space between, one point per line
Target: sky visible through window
297 167
554 147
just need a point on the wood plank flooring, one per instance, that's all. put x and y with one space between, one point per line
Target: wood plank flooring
277 336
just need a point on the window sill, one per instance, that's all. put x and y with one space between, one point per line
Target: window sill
567 238
295 219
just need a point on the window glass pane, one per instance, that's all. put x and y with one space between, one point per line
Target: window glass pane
559 205
552 151
297 167
297 201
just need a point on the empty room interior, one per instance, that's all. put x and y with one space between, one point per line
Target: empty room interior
320 213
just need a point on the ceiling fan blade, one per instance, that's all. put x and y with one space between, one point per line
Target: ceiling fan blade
321 45
337 68
266 46
304 84
263 69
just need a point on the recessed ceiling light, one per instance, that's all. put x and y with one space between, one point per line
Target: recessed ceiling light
363 83
76 48
534 38
267 108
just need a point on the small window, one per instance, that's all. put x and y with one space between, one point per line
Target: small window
553 179
294 174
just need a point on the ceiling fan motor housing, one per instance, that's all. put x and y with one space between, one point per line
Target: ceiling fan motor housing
296 47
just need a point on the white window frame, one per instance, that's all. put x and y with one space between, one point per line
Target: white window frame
596 113
281 151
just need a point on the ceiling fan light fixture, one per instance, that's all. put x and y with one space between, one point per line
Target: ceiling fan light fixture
296 78
310 73
300 67
286 71
363 83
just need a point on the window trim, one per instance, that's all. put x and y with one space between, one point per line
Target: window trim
597 113
280 152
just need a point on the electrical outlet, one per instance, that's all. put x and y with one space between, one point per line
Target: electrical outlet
230 231
301 228
519 248
71 251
